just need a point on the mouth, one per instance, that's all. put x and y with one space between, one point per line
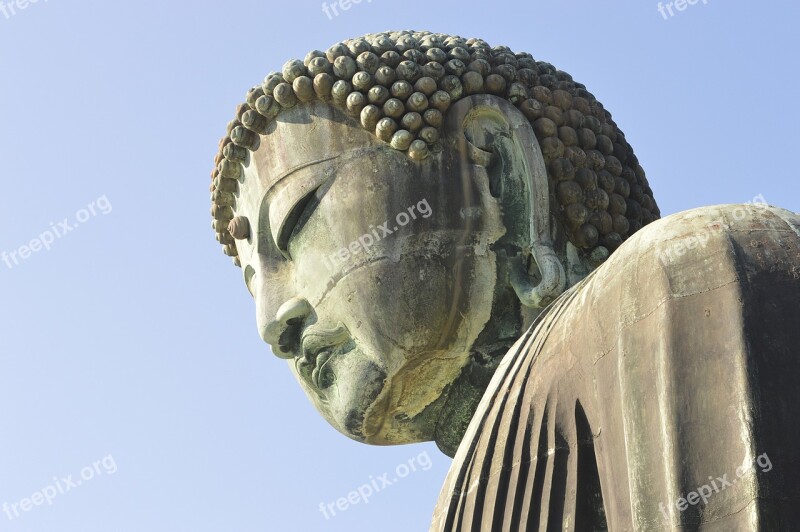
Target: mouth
321 346
314 367
322 377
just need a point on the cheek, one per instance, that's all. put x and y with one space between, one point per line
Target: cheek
422 304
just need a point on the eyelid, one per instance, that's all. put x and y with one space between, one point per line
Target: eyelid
282 199
296 217
316 177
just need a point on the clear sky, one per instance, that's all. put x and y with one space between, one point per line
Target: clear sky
129 350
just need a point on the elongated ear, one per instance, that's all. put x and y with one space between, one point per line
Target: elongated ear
496 136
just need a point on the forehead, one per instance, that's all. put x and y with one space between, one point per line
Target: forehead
303 136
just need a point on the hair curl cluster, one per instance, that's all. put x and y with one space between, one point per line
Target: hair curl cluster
398 85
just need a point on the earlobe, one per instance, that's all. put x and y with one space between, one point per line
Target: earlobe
488 129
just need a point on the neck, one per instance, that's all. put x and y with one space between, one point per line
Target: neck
509 321
464 395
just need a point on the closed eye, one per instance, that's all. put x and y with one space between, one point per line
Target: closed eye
296 219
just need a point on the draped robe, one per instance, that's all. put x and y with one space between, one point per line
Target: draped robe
669 370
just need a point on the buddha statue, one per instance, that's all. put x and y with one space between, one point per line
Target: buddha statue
453 242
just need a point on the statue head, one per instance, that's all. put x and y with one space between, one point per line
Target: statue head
402 207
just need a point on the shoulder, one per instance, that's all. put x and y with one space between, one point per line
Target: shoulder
684 236
698 250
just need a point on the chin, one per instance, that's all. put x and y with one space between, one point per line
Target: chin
355 407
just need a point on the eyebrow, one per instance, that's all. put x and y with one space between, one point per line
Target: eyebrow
297 168
354 152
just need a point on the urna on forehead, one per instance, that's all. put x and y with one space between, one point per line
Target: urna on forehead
398 86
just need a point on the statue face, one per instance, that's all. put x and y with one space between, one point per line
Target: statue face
372 274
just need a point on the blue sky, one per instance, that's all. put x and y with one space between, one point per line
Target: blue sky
130 353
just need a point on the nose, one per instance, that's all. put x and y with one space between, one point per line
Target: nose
283 332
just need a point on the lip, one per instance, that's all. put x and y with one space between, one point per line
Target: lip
315 338
319 347
319 372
